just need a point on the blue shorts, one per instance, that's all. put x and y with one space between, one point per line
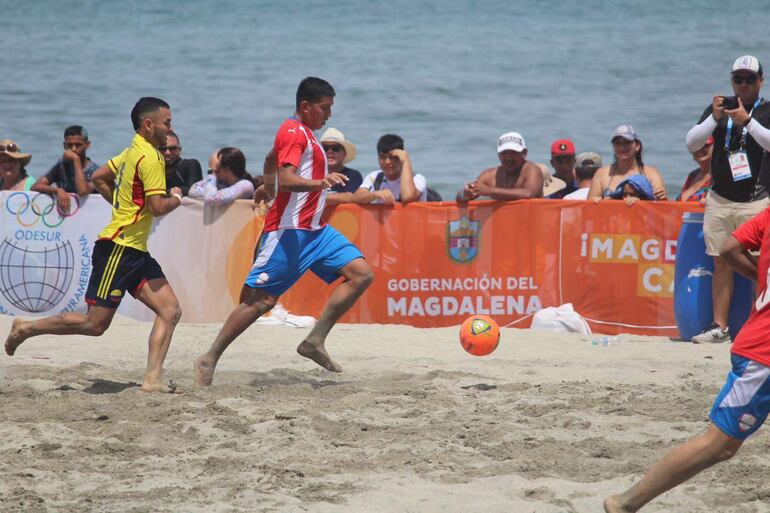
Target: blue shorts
285 255
744 402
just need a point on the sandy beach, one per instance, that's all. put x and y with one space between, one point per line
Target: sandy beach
547 423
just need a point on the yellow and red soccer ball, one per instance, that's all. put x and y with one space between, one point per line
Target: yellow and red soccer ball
479 335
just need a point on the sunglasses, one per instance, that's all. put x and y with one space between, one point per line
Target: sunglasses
564 158
336 148
739 79
10 148
164 149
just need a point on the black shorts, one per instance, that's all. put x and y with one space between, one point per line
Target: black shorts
115 269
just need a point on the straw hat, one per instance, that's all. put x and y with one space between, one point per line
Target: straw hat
334 135
7 145
551 184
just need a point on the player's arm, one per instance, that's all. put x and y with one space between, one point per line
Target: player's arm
161 205
738 258
104 181
289 181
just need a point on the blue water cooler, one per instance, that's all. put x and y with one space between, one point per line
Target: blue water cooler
693 274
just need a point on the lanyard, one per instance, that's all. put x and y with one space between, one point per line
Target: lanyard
729 133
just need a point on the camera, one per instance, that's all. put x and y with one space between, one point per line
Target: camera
729 102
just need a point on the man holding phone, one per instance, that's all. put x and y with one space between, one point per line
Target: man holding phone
738 124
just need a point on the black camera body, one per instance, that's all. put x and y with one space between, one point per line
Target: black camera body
729 102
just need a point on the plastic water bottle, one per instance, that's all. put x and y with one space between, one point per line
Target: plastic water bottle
605 341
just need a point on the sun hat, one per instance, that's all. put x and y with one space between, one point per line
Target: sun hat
511 141
641 185
334 135
747 63
562 147
626 132
15 155
551 184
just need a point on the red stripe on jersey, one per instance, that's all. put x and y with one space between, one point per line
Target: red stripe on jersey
276 211
137 192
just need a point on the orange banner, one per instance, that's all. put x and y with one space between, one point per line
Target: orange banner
435 264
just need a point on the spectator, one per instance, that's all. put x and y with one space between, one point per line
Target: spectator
628 161
339 152
13 175
228 182
736 193
632 189
213 161
563 163
515 177
180 172
551 184
698 182
586 164
395 180
72 173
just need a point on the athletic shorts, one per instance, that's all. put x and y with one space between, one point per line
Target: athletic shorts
744 402
723 217
285 255
115 269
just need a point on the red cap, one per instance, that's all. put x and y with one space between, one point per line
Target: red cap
562 147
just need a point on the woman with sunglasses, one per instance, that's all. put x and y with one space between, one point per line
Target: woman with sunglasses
228 182
628 162
13 175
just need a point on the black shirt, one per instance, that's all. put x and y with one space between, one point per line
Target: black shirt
186 173
63 174
568 189
354 181
722 177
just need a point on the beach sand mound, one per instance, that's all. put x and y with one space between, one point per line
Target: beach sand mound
547 423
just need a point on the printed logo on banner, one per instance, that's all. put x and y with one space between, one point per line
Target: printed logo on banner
653 258
41 255
463 239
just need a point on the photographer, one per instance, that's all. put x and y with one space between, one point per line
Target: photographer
738 124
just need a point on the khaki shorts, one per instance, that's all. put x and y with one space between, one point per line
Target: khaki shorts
723 217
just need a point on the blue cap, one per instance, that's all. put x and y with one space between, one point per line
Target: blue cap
641 185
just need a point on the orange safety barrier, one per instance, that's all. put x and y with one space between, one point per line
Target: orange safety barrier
437 263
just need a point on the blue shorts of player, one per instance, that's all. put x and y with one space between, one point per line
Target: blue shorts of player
744 402
285 255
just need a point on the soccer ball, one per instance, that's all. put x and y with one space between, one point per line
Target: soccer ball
479 335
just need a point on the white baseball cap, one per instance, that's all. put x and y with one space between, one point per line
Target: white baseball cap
747 63
511 141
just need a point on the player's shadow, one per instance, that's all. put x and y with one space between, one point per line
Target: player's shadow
287 377
104 386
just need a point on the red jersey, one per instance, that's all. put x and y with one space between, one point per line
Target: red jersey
296 145
753 341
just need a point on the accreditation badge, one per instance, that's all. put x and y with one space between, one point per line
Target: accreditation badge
739 165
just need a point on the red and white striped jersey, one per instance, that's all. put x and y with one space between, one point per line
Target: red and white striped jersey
296 145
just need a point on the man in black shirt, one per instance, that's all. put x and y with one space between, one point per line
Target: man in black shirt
738 125
180 172
340 151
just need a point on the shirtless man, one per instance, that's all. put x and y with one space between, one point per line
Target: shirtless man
515 178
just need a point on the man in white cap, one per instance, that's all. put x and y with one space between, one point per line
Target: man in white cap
340 151
738 124
515 178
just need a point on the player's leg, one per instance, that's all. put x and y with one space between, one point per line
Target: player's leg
93 323
255 303
676 467
159 297
338 257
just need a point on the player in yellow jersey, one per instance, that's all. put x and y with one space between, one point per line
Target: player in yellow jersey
134 182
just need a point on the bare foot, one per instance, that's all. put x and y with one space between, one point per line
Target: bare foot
612 505
204 371
152 387
318 355
15 338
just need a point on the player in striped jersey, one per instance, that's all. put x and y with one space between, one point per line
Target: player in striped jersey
294 238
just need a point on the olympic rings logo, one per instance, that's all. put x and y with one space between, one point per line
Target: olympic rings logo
41 207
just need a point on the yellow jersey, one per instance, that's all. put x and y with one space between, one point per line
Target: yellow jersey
140 172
